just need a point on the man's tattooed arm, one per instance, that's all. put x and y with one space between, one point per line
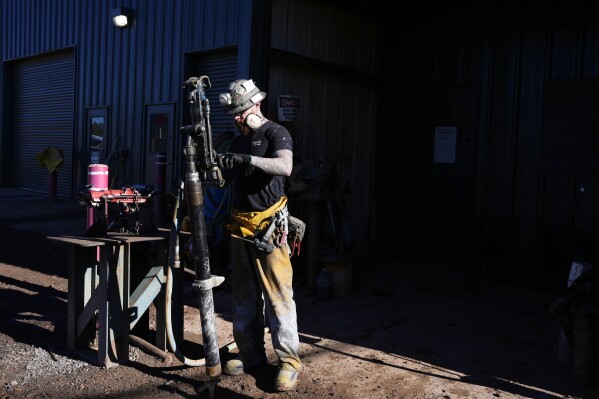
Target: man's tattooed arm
280 165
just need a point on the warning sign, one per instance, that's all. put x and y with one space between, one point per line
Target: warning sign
289 108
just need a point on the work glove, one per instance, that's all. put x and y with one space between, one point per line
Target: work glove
229 160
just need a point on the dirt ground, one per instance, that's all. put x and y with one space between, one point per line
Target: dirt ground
402 332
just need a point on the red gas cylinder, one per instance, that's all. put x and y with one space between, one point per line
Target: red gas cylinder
97 176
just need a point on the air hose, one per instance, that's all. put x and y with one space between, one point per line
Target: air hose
174 261
169 329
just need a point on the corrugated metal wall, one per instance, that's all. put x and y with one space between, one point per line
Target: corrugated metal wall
42 116
221 68
341 35
327 55
509 51
19 40
4 138
328 52
148 62
124 69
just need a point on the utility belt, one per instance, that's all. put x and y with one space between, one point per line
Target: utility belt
269 229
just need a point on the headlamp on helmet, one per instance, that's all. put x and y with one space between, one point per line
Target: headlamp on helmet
242 95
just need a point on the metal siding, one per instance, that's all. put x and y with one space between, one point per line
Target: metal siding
143 65
503 102
221 69
569 149
122 69
36 26
337 118
591 51
554 229
566 52
174 28
335 34
528 139
43 116
213 24
333 59
4 138
443 61
510 52
586 212
512 59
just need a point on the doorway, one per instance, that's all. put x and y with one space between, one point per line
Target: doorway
436 176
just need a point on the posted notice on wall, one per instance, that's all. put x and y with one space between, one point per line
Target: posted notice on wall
445 144
289 108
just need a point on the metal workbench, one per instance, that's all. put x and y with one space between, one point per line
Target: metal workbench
112 281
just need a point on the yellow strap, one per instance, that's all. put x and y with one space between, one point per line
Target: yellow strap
247 223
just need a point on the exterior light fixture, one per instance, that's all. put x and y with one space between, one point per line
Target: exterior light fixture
122 17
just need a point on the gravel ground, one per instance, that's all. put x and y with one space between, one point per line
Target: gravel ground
403 332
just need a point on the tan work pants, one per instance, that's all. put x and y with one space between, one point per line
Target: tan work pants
262 285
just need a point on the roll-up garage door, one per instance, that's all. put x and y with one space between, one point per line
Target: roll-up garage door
221 69
43 116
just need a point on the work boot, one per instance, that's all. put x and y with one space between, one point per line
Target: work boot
286 380
241 364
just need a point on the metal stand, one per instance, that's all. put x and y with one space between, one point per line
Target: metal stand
103 307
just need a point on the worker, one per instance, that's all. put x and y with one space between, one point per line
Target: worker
258 162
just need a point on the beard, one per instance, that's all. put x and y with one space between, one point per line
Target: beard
242 127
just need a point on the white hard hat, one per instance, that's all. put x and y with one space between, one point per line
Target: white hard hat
243 94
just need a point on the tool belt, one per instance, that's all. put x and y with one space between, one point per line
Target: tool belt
275 223
297 229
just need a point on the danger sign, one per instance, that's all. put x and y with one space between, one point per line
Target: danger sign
289 108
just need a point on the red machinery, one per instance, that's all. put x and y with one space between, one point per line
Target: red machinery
130 203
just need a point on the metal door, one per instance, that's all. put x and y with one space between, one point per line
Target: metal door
43 116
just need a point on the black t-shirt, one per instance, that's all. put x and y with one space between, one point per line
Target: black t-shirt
253 189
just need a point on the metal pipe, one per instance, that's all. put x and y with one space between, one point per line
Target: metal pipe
201 261
150 349
174 263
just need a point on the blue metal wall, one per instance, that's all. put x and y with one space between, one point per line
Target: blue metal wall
123 69
4 139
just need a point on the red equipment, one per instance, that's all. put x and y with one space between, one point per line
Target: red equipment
129 201
127 195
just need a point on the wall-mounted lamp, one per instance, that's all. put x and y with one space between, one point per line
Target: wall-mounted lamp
122 17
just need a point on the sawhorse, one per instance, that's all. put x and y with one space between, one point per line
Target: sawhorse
100 300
